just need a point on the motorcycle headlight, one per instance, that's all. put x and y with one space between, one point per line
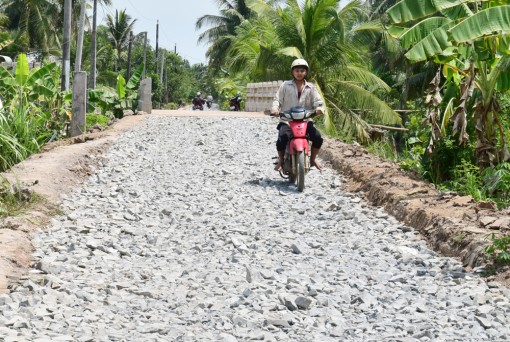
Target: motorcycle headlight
298 115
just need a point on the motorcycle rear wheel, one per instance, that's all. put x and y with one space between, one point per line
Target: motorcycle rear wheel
300 177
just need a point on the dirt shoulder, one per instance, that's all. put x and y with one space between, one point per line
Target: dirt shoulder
453 225
57 170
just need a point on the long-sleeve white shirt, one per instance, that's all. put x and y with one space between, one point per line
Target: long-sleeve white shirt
287 97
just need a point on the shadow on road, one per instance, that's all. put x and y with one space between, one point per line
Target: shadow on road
282 185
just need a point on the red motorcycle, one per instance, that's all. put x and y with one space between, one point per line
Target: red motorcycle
198 103
296 163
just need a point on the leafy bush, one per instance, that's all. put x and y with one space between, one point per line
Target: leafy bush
384 149
123 97
170 106
467 180
23 123
499 249
94 119
497 183
411 158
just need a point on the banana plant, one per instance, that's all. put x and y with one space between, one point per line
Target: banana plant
39 84
124 96
23 127
470 40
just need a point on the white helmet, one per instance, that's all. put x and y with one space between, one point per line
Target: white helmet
299 63
198 94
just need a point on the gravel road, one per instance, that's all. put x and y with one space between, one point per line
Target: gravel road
187 234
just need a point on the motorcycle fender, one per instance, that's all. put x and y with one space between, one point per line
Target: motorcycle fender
297 145
298 128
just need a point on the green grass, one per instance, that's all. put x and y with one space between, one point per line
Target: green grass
14 199
17 200
93 119
22 133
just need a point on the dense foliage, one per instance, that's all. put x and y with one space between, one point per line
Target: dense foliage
35 110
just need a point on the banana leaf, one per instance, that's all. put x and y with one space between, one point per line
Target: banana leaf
396 31
419 31
455 13
41 73
22 70
408 10
503 82
434 44
134 81
42 90
494 21
121 86
448 4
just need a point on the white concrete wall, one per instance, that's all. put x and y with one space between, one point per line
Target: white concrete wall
259 96
12 66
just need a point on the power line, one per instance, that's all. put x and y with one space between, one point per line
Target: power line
145 18
139 11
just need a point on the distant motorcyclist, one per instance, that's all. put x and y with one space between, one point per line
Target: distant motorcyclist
198 102
209 100
235 102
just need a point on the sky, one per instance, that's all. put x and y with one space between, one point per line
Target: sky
177 20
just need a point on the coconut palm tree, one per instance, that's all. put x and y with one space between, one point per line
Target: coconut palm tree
34 23
232 14
118 33
320 32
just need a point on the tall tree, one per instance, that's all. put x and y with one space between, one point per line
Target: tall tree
319 31
118 29
232 14
35 23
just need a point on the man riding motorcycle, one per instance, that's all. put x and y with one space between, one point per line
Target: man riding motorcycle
297 92
235 102
209 100
198 102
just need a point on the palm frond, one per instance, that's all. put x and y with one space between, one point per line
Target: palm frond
364 77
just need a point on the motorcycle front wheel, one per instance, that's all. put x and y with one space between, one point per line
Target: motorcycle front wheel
300 178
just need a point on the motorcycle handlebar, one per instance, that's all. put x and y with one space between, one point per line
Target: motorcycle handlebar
300 115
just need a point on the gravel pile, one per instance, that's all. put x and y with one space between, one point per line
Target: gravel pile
187 234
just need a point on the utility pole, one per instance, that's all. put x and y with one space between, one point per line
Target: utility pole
130 45
144 55
165 98
157 40
162 67
79 43
175 49
66 46
93 52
